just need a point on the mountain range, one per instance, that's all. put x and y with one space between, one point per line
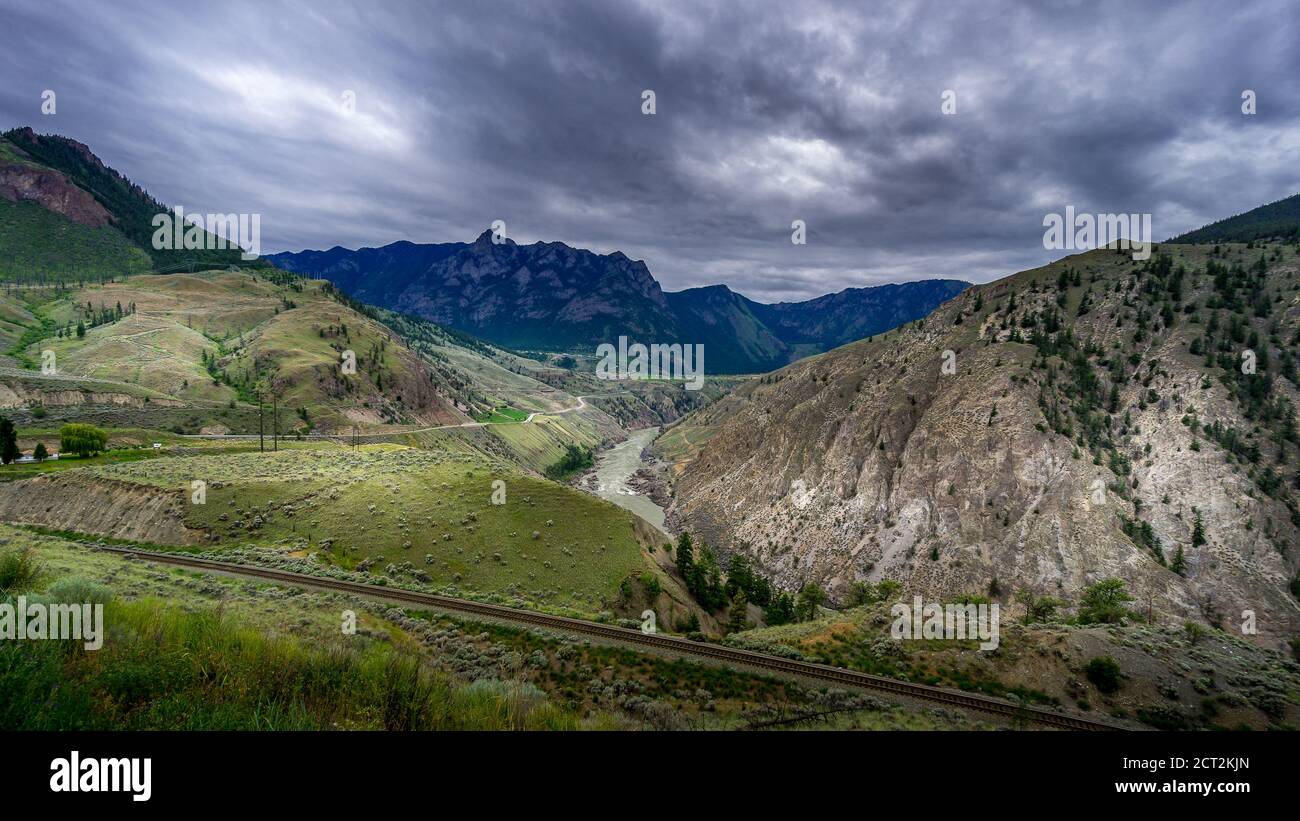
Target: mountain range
69 216
551 296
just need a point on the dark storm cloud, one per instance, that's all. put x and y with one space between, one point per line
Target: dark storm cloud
767 112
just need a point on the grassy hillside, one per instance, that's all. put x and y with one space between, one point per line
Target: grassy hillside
193 651
131 207
221 663
40 247
143 349
409 516
214 340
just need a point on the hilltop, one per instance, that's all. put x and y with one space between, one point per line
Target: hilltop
65 178
1276 221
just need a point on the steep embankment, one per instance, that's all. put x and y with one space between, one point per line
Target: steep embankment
1093 421
76 501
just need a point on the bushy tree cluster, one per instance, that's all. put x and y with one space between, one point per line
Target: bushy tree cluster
699 567
81 439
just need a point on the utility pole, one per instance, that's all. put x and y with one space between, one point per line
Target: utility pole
275 420
261 436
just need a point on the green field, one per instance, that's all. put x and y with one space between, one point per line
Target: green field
502 415
15 471
134 445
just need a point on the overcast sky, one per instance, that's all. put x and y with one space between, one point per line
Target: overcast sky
531 113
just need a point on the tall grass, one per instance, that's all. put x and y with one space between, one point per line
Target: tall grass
163 668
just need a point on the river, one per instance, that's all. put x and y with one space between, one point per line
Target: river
618 464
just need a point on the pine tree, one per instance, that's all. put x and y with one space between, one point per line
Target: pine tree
1198 528
780 611
739 616
714 596
1179 564
685 555
811 597
739 575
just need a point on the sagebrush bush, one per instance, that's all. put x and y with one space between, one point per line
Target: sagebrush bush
78 590
19 571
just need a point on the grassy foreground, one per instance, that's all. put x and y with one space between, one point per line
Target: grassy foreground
162 668
187 650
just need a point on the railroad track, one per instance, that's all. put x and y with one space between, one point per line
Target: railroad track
749 658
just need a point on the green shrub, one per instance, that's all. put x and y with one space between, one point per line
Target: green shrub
1104 603
575 460
1165 718
19 571
1103 672
1039 609
651 584
78 590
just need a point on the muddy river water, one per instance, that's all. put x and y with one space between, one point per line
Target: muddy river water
616 466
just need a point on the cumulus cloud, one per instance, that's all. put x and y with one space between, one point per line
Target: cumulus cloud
767 112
